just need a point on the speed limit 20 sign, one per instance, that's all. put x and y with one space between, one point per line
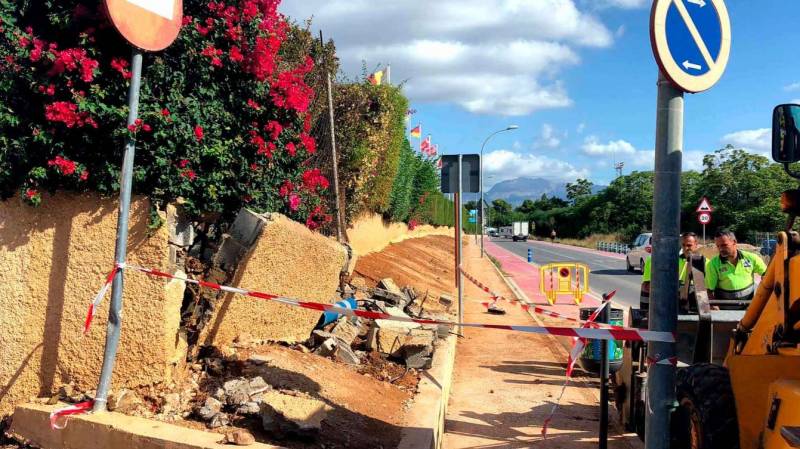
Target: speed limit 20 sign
704 218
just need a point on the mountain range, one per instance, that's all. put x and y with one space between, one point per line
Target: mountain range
516 190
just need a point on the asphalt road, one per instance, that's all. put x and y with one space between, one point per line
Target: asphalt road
605 273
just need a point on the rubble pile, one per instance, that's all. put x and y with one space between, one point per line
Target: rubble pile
350 339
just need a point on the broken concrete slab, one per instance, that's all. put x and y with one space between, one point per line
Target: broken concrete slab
344 353
31 422
389 285
237 391
345 330
210 408
390 297
285 258
327 348
283 414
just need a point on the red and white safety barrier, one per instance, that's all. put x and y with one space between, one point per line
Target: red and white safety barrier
597 334
578 344
535 309
99 297
659 361
58 418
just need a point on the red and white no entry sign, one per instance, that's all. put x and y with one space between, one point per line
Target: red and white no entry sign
704 218
148 24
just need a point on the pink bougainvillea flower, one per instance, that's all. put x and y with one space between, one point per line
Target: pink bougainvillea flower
291 149
189 174
121 66
165 112
198 133
84 175
183 163
64 166
294 202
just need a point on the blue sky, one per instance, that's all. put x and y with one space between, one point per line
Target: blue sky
577 76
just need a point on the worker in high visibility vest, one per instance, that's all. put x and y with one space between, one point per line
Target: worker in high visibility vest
730 275
688 246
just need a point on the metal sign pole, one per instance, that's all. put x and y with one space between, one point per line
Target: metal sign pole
704 235
664 290
126 180
603 436
458 236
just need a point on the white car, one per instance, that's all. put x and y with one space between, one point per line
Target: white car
641 249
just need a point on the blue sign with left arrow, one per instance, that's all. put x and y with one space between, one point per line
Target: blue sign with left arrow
691 41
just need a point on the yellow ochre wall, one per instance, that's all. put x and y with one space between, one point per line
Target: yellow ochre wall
53 260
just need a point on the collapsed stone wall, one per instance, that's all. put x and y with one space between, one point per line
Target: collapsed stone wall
273 254
53 259
370 233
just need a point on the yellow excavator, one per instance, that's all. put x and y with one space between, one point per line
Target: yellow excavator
750 398
763 361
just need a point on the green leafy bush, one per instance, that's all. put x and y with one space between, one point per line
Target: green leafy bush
224 112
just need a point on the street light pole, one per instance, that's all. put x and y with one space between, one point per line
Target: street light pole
481 218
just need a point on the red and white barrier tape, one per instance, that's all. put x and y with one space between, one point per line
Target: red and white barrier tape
58 418
535 309
597 334
99 297
578 344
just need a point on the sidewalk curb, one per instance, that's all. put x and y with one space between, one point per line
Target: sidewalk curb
424 425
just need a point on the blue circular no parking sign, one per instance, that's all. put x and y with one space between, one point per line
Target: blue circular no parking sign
691 41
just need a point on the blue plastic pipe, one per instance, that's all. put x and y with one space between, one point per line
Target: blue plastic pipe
329 317
530 255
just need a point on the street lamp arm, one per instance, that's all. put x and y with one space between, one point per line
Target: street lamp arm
482 202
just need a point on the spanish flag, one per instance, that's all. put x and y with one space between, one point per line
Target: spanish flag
417 132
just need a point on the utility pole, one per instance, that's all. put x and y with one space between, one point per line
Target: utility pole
334 157
664 290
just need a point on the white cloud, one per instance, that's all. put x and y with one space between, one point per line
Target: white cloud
581 127
624 4
505 165
752 140
549 138
795 101
593 147
488 56
792 87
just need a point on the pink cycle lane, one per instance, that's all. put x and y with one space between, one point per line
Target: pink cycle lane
526 276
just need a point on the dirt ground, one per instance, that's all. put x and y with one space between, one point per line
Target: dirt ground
505 383
425 263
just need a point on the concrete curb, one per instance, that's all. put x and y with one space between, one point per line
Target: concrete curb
31 423
424 426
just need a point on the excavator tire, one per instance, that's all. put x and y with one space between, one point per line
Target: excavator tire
706 413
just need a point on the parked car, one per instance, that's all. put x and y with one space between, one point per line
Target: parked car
641 248
492 232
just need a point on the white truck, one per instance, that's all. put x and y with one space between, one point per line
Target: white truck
520 231
506 232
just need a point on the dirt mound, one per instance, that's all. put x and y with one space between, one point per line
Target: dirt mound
425 263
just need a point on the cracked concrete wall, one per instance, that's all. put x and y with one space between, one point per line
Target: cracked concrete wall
278 256
369 233
53 260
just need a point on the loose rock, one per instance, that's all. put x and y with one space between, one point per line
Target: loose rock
209 409
249 408
258 385
284 414
218 420
237 392
239 438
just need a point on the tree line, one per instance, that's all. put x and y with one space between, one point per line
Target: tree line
744 189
